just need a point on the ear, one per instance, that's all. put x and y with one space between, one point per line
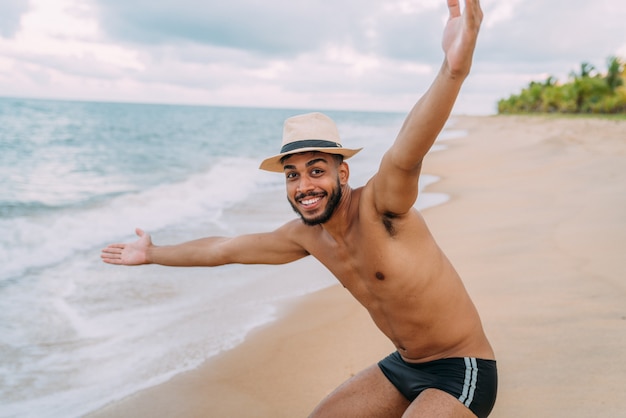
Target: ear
344 173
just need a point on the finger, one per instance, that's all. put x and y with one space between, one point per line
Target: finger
114 249
120 246
115 261
455 8
472 8
110 254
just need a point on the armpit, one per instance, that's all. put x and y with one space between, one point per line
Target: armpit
387 220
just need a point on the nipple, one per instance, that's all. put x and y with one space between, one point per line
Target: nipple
380 276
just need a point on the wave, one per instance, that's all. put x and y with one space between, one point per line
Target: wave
48 237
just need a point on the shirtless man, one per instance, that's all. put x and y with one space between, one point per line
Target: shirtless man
378 246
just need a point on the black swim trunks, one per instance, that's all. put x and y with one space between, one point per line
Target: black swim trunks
474 382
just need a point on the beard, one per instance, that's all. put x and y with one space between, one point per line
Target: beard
333 201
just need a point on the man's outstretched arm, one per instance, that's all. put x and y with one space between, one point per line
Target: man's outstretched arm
395 184
274 247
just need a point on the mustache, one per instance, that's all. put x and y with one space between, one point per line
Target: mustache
301 196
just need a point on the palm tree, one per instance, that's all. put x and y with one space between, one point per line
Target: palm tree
586 69
614 71
587 91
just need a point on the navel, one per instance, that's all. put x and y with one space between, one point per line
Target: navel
380 276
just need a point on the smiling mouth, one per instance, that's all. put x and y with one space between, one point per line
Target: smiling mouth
308 201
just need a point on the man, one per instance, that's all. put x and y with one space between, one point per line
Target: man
378 246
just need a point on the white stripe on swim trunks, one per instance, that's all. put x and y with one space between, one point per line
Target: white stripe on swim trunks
469 385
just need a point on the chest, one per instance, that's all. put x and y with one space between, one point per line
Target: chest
373 267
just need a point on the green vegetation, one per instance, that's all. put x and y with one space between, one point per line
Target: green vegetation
586 92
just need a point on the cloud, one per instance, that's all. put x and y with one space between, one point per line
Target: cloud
543 34
272 27
314 53
344 49
10 14
277 28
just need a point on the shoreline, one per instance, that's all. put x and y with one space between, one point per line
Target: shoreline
237 384
534 212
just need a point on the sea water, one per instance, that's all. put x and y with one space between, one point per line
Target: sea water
75 333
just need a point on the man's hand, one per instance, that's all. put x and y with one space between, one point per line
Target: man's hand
131 254
459 36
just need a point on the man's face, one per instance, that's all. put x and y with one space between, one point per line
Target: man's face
313 186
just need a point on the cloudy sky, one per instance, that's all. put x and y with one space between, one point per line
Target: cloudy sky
313 54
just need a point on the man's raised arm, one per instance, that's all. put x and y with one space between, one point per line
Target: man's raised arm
274 247
395 184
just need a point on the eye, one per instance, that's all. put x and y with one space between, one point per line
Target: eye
290 175
317 172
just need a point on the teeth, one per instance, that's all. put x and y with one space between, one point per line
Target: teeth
310 201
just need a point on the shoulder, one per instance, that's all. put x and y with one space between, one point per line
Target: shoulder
293 229
368 202
380 217
299 233
393 188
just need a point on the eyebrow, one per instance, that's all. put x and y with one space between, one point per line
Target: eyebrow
308 164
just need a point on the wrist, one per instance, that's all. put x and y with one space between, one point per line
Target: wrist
150 255
454 74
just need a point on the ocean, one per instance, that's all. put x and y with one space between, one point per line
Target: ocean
76 333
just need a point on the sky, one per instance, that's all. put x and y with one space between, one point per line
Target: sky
378 55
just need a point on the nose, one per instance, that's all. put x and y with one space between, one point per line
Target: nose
305 184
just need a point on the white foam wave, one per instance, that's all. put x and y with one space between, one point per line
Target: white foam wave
37 241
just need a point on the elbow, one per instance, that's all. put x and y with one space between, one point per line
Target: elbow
406 162
410 167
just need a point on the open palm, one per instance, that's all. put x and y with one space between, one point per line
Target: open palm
459 36
130 254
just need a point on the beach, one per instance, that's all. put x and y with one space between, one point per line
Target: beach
536 227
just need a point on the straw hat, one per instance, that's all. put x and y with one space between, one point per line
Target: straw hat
308 132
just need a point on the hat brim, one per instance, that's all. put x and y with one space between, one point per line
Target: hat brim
273 163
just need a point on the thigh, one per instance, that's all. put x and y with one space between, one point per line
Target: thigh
367 394
437 403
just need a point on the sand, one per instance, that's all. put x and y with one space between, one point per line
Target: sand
536 225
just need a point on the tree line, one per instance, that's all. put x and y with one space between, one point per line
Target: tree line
586 91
